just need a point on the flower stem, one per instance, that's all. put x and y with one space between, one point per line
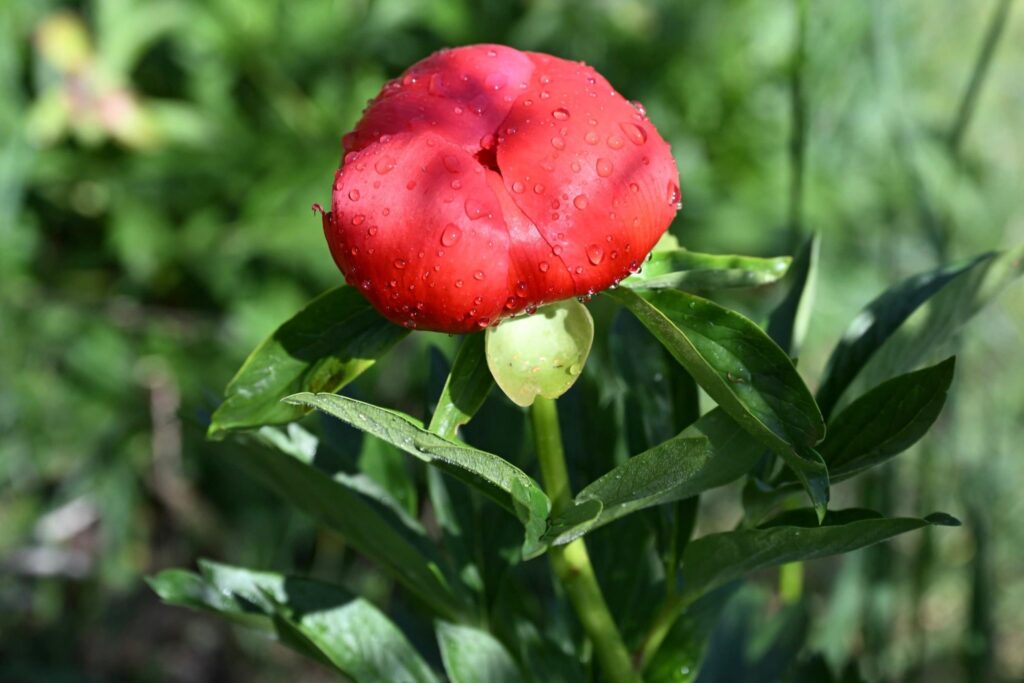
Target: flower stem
570 562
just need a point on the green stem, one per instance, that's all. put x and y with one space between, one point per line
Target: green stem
791 582
570 562
660 626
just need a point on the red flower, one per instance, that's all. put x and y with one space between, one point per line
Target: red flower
486 181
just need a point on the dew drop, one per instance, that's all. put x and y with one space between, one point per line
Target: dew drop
556 250
400 263
518 187
639 108
615 142
633 187
354 251
595 254
450 235
474 209
458 283
495 81
372 230
451 162
633 132
543 266
384 165
410 185
591 138
558 142
579 270
353 195
575 167
580 202
478 275
562 114
604 167
538 188
358 219
673 194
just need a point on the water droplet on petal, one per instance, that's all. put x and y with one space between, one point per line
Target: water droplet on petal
478 275
595 254
400 263
451 162
634 133
615 142
591 138
384 165
580 202
538 188
558 142
633 187
474 209
556 250
604 167
543 266
639 108
518 187
579 270
458 283
562 114
673 193
353 195
358 219
410 185
495 81
575 165
372 230
450 235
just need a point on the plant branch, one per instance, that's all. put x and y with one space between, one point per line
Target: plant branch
570 562
968 103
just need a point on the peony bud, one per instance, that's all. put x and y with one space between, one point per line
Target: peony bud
486 181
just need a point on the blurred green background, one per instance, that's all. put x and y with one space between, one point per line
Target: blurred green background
158 160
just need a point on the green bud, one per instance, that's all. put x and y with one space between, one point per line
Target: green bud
541 354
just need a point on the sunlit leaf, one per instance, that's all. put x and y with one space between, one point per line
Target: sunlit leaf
690 270
492 475
323 347
319 619
745 372
471 656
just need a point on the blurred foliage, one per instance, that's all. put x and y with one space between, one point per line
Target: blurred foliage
158 159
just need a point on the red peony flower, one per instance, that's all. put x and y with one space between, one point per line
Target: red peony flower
487 181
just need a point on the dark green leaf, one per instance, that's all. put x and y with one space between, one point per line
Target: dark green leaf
926 335
467 387
319 619
711 452
679 268
886 421
787 324
956 293
326 345
356 507
471 656
716 559
745 372
492 475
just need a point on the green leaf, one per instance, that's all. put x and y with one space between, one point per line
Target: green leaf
886 421
679 658
925 336
787 324
471 655
953 295
716 559
711 452
679 268
326 345
318 619
745 372
492 475
464 392
369 519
